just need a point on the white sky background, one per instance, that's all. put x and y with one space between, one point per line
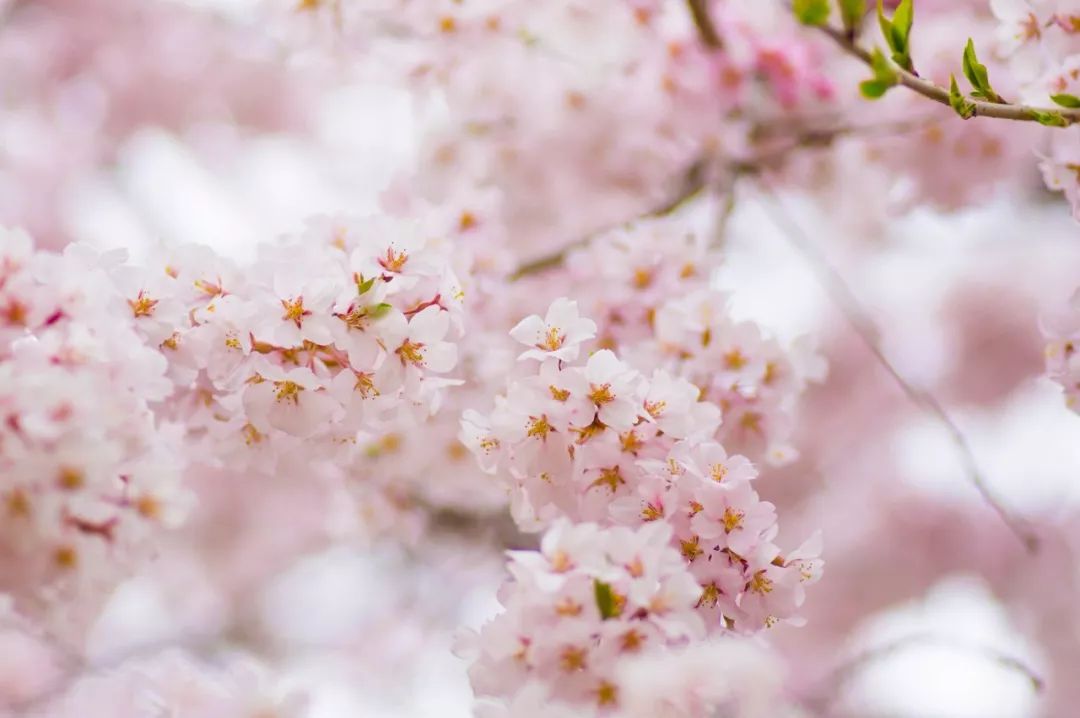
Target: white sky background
163 190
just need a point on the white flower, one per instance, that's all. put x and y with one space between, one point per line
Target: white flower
558 335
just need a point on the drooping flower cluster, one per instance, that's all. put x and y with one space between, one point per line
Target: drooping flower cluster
590 597
328 334
114 377
89 472
1041 39
597 442
659 308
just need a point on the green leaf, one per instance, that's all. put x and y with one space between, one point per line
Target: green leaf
963 107
606 600
873 89
363 286
884 76
976 74
1050 119
882 69
902 21
811 12
851 12
1070 101
886 26
379 310
897 32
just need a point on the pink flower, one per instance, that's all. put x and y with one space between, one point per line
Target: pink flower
1061 167
734 516
673 403
558 335
294 401
612 388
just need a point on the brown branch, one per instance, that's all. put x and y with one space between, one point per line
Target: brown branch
699 10
696 177
930 90
859 320
694 180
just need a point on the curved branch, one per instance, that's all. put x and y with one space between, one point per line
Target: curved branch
844 299
932 91
699 10
693 181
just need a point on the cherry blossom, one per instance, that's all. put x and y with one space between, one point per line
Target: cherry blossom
558 335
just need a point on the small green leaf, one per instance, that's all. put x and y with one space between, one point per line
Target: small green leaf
811 12
886 26
1050 119
884 76
897 32
379 310
963 107
851 12
363 286
882 69
902 21
976 74
1065 100
873 89
606 600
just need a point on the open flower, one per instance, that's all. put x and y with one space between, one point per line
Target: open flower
558 335
293 401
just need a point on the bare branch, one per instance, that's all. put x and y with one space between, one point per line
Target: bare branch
699 10
693 182
859 320
696 176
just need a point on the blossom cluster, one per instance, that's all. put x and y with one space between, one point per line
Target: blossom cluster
686 101
1041 38
328 333
90 473
115 379
659 307
589 597
613 452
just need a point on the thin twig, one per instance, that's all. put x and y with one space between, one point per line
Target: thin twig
699 10
843 297
696 177
843 674
694 180
981 108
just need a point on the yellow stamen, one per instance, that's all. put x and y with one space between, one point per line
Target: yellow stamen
559 394
601 395
142 305
539 426
572 659
733 519
691 549
760 583
411 353
553 340
606 694
288 391
294 311
611 477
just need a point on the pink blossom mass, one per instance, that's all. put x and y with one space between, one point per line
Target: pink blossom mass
522 359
